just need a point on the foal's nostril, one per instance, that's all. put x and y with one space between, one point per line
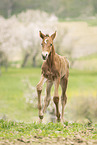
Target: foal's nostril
44 57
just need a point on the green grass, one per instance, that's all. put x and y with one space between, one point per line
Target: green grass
12 101
88 62
90 22
15 130
12 104
82 83
89 57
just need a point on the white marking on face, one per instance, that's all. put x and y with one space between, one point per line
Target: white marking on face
45 41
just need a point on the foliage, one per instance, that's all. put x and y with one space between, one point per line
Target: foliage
88 62
61 8
84 108
21 42
30 94
3 60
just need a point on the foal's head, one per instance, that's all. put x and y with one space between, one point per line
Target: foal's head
47 43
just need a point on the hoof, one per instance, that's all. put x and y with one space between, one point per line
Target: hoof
58 120
41 116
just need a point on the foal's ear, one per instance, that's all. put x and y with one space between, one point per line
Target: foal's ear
53 35
41 35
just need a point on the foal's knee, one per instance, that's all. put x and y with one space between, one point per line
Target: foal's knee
39 88
56 100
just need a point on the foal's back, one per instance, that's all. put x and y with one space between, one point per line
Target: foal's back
63 65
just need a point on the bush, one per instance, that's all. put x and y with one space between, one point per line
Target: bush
81 108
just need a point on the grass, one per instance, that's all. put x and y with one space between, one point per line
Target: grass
89 57
14 130
12 92
26 132
88 62
82 83
12 105
12 101
90 22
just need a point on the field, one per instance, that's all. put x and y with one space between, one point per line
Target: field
34 133
22 127
12 101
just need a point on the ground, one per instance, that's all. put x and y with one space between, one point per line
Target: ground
51 133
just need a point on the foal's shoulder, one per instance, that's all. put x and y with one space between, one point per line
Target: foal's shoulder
62 59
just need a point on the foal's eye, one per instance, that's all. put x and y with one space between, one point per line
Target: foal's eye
50 44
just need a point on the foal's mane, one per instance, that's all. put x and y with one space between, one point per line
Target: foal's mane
47 35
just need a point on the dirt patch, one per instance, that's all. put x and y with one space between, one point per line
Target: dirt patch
49 140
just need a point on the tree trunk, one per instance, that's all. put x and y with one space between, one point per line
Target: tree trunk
10 7
0 71
34 61
25 59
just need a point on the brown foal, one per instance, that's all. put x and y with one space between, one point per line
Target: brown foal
55 70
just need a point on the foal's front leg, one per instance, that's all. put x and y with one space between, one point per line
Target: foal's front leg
48 97
56 97
39 90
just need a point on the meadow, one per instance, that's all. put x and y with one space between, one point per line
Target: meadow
12 101
21 123
51 133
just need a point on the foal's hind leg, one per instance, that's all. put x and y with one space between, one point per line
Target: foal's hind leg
56 97
63 83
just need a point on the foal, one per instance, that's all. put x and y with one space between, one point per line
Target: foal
55 70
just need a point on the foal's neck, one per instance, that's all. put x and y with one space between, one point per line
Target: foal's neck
50 60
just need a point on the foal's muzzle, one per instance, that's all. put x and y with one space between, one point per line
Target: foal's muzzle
44 55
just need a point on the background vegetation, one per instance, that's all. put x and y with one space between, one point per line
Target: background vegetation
62 9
